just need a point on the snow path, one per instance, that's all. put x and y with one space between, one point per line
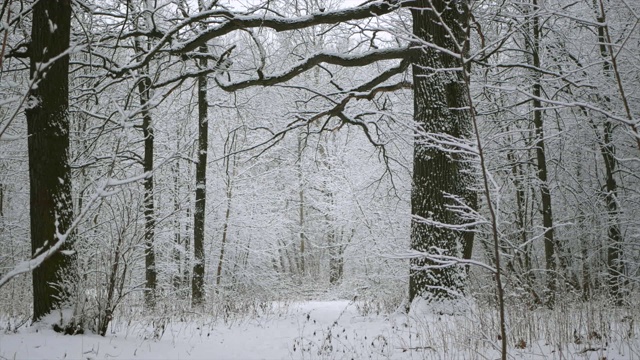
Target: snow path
304 327
307 330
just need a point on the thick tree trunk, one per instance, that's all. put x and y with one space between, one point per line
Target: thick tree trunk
51 208
197 287
440 107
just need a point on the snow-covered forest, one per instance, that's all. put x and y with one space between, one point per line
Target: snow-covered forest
320 179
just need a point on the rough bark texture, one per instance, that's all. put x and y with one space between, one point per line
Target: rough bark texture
197 285
440 107
48 126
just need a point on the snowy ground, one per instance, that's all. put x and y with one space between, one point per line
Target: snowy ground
313 330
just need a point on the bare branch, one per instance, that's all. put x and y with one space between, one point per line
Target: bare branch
329 58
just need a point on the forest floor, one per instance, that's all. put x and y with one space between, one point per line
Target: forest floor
322 330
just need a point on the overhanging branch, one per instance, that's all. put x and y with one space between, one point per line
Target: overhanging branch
328 58
279 23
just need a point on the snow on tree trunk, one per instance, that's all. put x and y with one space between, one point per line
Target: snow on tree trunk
51 208
197 288
440 107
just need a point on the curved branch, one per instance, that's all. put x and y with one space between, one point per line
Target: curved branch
386 75
279 23
329 58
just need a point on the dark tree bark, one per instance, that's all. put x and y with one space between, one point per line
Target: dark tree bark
440 107
615 240
144 86
197 285
541 161
144 91
608 151
51 208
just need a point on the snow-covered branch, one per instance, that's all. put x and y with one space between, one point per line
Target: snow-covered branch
236 21
345 60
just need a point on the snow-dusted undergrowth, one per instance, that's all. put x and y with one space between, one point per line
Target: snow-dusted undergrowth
345 330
